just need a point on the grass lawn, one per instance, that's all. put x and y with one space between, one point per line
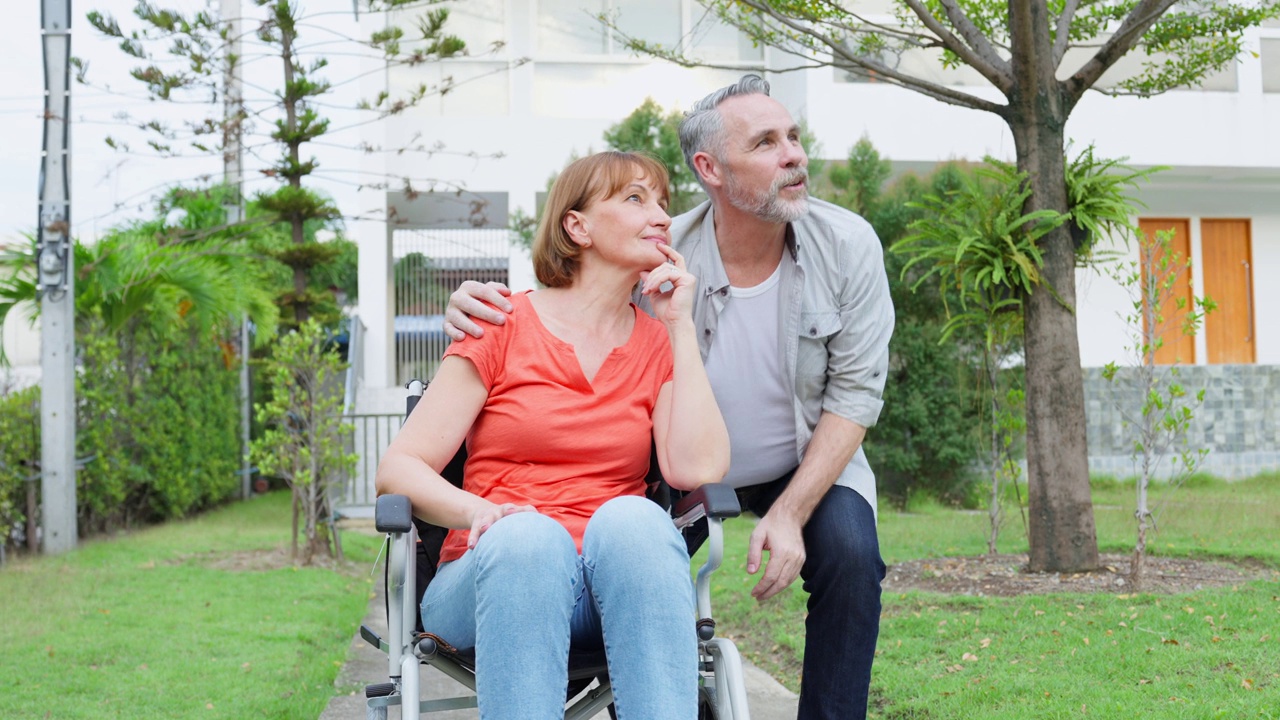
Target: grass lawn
175 621
1207 654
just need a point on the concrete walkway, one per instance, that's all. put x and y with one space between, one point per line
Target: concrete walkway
768 699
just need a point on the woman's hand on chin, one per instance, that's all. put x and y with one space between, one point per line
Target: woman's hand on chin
486 516
670 288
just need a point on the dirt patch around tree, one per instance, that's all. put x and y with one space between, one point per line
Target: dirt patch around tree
1007 576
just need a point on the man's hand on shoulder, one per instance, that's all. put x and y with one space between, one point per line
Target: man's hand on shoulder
783 537
483 301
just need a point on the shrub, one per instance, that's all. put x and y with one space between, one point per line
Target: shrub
305 438
159 421
19 453
923 441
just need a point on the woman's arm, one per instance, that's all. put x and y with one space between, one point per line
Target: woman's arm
688 430
428 441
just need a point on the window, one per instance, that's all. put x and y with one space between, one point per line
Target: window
474 89
1134 64
573 27
711 40
925 64
653 21
612 90
1271 65
481 24
570 26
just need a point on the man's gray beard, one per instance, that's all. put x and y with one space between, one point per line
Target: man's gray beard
767 205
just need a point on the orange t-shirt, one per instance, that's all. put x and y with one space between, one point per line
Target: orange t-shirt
548 438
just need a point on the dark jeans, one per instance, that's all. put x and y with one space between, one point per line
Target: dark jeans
842 573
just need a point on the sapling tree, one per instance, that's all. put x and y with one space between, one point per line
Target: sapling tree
1036 60
1156 409
305 439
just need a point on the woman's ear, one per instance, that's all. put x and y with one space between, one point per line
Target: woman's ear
578 229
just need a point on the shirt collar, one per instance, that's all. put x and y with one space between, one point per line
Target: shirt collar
715 279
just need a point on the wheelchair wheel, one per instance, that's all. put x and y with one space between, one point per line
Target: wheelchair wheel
707 704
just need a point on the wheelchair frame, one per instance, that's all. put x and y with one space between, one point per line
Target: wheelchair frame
722 692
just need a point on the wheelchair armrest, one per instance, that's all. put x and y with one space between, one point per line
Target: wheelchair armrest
393 514
712 500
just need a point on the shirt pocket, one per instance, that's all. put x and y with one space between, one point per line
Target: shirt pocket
816 327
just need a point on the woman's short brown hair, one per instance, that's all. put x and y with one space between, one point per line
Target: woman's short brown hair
592 178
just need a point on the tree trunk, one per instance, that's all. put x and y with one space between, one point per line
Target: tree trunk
293 552
1062 533
1061 530
301 309
997 467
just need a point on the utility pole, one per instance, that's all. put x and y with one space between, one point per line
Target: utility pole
233 176
55 260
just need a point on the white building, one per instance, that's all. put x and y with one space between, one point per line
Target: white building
1221 141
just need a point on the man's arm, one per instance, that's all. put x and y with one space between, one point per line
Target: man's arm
478 300
781 530
857 364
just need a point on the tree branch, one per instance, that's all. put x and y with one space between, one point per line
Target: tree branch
1131 31
940 93
976 50
933 90
870 26
1063 31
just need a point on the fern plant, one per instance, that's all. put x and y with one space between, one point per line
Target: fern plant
1101 203
978 240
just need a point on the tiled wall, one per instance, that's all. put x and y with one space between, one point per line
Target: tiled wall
1239 421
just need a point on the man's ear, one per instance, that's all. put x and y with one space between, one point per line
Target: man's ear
708 169
576 226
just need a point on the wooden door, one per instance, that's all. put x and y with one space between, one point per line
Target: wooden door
1178 347
1228 280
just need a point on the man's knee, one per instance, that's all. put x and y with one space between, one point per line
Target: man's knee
840 536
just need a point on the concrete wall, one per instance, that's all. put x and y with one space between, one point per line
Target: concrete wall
1239 421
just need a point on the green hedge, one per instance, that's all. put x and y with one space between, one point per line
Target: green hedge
19 451
160 417
157 418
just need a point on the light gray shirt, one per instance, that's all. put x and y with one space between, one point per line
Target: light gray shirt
745 370
835 316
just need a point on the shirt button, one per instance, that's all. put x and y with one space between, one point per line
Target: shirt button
724 291
707 332
813 331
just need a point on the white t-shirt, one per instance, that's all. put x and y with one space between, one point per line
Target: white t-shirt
748 380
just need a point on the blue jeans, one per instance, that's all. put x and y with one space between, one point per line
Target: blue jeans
842 573
523 594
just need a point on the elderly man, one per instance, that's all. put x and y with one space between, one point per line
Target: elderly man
794 319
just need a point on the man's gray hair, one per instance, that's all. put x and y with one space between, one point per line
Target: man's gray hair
702 129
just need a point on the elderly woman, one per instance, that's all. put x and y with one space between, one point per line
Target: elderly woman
552 541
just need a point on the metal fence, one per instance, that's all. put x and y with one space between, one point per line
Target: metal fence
429 265
369 438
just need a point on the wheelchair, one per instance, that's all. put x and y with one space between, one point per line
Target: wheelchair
413 551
